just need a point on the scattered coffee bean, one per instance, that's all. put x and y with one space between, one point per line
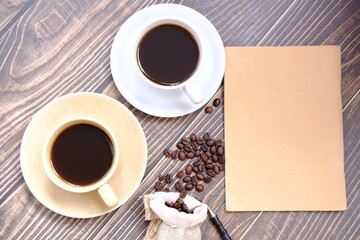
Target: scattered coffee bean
175 154
214 158
194 146
183 193
201 167
216 102
188 169
218 142
200 176
190 155
193 137
167 152
204 157
222 159
216 169
213 150
193 180
208 154
187 179
182 156
206 136
197 162
189 186
188 148
197 153
195 169
210 142
207 179
209 161
209 166
168 178
204 148
185 141
180 174
199 188
158 186
211 173
220 151
201 141
184 207
208 109
162 177
180 146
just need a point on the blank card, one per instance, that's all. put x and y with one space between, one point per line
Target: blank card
283 129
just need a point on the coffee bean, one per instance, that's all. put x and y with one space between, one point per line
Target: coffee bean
194 146
208 109
179 200
183 193
221 159
197 162
211 173
185 141
210 142
190 155
204 148
199 188
175 154
195 169
218 142
200 176
200 141
216 169
158 186
209 166
208 154
178 186
177 205
204 157
180 174
189 186
188 148
162 177
193 137
168 178
180 146
197 153
187 179
167 152
167 204
216 102
193 180
222 167
188 169
184 207
213 149
206 136
201 167
214 158
209 161
180 209
207 179
220 151
182 155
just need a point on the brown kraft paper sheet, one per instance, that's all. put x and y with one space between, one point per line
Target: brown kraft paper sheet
283 129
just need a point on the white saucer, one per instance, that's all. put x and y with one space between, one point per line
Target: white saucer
157 102
132 146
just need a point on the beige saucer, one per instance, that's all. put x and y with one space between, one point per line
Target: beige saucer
132 145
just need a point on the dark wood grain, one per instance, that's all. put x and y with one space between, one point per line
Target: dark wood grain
51 48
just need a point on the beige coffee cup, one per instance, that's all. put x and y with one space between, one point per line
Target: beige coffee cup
104 189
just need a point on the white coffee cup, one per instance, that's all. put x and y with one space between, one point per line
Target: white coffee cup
106 193
189 86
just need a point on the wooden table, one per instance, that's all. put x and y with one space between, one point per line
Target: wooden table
52 48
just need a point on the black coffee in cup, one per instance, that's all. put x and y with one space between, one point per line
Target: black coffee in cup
82 154
168 54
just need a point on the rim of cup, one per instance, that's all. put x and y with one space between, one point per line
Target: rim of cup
48 146
152 25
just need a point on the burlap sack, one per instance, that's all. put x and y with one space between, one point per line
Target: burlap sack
168 223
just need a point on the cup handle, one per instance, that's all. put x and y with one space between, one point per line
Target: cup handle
194 93
108 195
